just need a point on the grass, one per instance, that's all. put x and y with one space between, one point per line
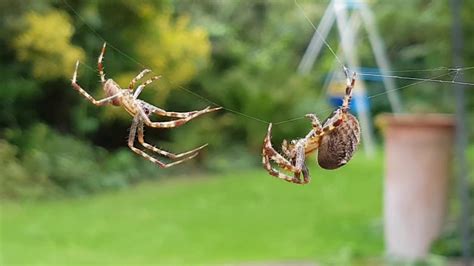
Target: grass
245 216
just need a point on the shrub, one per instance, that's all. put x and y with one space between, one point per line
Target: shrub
52 163
16 181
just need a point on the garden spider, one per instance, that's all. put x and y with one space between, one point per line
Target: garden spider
336 139
140 111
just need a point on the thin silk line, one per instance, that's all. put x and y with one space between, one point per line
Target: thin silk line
422 79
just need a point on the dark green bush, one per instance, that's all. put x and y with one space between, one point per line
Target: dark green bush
16 180
52 163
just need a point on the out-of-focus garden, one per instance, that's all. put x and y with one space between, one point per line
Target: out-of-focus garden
73 193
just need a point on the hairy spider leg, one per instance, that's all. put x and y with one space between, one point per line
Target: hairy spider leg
131 141
140 88
100 66
306 176
270 154
340 115
159 111
269 151
89 97
295 179
348 95
140 75
284 148
174 123
314 123
272 171
159 151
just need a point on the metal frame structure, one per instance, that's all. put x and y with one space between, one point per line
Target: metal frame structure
348 27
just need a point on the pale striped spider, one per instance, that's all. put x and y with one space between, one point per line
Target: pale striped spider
336 141
141 111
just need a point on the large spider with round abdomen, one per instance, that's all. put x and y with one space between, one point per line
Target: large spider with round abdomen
336 141
141 112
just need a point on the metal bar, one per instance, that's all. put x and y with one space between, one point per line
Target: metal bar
461 132
316 44
378 48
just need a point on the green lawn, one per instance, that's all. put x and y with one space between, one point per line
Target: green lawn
245 216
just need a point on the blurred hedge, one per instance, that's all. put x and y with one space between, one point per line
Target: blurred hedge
51 164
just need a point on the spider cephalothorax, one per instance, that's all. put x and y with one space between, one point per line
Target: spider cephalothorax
336 141
141 111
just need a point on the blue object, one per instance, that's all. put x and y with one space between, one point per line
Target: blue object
357 100
353 4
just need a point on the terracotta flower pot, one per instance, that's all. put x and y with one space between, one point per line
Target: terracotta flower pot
419 151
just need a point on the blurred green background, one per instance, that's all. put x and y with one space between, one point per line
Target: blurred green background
73 193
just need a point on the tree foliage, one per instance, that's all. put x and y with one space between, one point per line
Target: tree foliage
45 43
174 50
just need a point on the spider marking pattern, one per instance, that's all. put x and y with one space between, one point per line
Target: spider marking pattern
141 112
336 141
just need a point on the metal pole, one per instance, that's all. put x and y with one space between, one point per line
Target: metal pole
461 135
378 48
316 43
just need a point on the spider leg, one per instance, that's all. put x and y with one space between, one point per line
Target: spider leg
338 117
140 75
334 121
100 66
159 111
162 152
177 122
300 156
270 154
306 177
317 128
142 86
285 149
298 153
340 114
131 141
348 95
272 171
87 95
300 164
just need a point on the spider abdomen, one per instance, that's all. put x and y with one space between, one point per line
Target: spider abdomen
112 88
338 146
